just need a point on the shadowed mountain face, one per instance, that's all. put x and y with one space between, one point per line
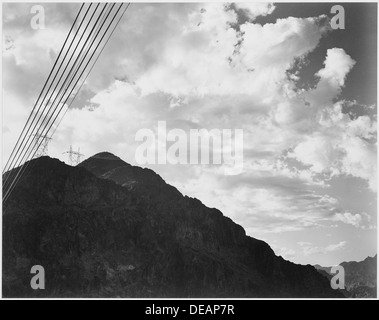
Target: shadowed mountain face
109 229
360 277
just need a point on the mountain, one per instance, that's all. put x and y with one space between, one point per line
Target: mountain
360 277
109 229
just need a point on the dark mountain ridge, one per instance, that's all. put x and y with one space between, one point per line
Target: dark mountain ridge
360 277
109 229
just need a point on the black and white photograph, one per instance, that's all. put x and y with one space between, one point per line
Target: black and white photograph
187 150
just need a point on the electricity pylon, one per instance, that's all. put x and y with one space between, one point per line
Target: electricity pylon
41 143
74 157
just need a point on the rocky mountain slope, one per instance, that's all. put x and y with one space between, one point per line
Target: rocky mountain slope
360 277
109 229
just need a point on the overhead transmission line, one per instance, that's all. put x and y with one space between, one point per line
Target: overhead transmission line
27 144
87 62
40 113
13 175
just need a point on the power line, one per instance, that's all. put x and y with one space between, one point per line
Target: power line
80 87
87 63
62 87
24 167
68 108
97 58
46 105
47 80
28 150
30 125
43 147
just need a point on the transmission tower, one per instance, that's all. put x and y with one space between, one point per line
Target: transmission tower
41 143
74 157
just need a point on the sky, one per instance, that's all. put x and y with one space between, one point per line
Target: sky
303 94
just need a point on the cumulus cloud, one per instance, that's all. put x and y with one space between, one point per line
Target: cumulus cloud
335 143
191 66
317 152
360 160
337 65
207 74
254 9
209 56
355 220
341 146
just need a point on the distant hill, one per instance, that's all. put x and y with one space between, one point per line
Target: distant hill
360 277
109 229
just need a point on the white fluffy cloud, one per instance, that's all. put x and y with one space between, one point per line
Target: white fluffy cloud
316 151
341 146
192 66
254 9
209 56
335 144
357 220
337 66
195 70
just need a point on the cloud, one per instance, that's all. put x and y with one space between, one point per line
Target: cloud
309 249
317 152
194 67
206 74
348 218
341 146
208 56
337 65
33 52
334 144
253 10
286 253
360 160
266 199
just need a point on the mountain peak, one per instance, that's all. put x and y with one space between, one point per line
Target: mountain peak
106 228
103 162
105 165
106 156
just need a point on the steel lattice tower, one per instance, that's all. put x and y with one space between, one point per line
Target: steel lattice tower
74 157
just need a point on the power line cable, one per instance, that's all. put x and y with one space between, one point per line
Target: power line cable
30 125
82 74
47 104
46 82
33 163
18 162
